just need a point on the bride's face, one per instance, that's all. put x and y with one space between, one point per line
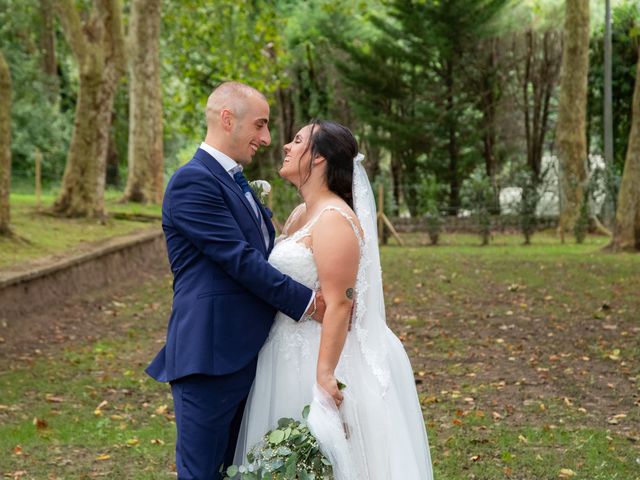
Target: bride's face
297 157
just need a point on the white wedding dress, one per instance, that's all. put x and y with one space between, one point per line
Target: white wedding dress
386 435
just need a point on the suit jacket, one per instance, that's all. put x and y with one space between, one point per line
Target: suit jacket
225 293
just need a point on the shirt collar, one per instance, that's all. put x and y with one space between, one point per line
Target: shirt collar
228 163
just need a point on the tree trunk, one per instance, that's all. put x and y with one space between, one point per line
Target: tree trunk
5 145
146 159
489 96
542 65
454 181
397 177
112 174
627 226
98 46
571 128
48 48
286 115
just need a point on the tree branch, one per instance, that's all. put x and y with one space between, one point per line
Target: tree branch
72 28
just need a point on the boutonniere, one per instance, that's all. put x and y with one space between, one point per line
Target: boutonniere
262 189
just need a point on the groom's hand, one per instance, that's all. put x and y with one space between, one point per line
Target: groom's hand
320 307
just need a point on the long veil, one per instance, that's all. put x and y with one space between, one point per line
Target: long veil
381 435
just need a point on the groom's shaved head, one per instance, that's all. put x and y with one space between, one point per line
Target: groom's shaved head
232 96
237 121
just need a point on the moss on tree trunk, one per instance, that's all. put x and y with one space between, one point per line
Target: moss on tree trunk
5 145
98 46
571 138
145 180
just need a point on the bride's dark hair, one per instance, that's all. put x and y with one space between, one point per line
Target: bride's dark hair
338 146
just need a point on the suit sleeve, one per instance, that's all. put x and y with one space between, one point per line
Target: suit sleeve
198 211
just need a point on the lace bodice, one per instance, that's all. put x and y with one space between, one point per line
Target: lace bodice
294 258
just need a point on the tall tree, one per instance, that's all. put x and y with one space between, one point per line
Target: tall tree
5 145
571 137
146 161
98 46
457 25
538 77
48 47
627 226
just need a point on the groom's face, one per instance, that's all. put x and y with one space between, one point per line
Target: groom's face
251 130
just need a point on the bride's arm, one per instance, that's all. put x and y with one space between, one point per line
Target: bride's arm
336 253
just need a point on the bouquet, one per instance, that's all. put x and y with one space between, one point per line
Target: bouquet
287 452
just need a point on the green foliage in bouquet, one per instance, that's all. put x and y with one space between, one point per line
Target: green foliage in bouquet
288 452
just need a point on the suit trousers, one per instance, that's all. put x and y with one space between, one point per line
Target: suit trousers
209 411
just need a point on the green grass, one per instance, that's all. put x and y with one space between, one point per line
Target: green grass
39 235
527 361
525 354
104 416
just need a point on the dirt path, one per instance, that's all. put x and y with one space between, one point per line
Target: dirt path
76 320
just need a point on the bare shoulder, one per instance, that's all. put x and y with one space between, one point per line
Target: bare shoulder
337 218
296 218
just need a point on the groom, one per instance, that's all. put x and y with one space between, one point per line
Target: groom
225 294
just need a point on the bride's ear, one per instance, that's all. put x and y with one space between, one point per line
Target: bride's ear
319 160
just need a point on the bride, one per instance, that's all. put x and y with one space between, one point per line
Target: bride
330 241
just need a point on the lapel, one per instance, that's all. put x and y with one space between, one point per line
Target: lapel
223 176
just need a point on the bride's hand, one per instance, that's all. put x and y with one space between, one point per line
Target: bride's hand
330 385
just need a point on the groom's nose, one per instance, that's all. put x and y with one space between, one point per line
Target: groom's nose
265 137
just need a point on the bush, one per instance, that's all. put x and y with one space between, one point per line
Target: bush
478 197
528 204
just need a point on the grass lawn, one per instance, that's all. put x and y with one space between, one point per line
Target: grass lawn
527 362
39 234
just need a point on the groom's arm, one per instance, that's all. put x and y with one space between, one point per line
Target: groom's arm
197 210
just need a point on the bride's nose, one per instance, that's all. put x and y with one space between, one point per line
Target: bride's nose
286 148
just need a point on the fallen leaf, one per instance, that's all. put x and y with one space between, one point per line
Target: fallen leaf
53 399
566 473
40 423
103 457
132 442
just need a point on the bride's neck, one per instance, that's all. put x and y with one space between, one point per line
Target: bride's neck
314 194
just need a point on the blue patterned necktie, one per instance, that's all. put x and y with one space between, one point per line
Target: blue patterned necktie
242 182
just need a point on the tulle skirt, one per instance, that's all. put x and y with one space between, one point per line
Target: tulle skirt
385 435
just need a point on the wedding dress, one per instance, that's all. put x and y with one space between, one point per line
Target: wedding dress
385 435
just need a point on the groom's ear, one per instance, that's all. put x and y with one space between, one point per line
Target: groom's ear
226 118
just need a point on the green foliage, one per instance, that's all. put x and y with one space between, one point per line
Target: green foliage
478 197
528 203
37 120
428 194
407 83
287 452
385 181
205 43
284 197
625 38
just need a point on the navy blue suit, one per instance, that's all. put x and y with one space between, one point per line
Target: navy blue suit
225 297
